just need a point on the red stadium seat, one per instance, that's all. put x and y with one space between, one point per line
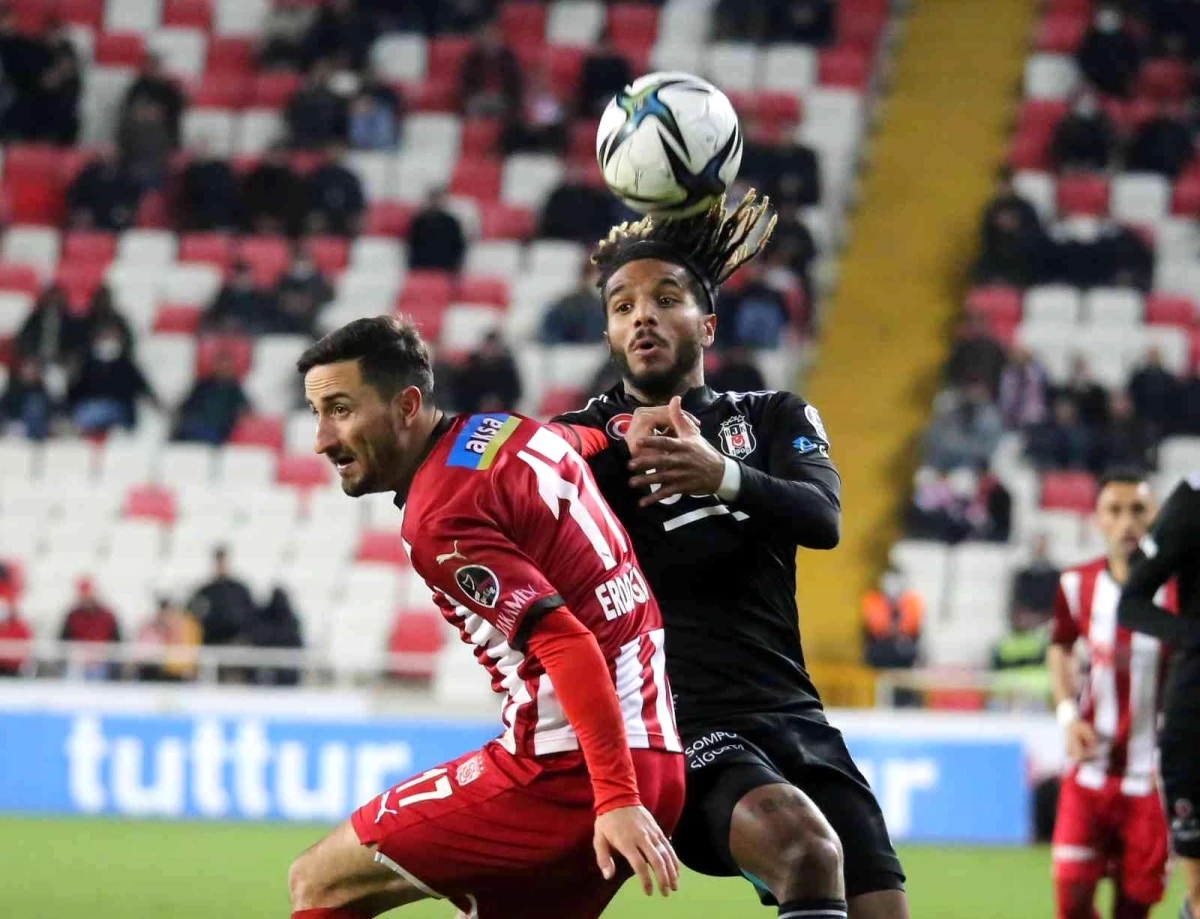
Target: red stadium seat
558 401
222 89
79 281
229 55
329 253
1185 199
861 28
381 546
1060 32
955 700
151 502
195 14
504 221
564 64
433 94
1164 79
153 212
476 177
1071 6
1004 331
633 24
7 351
428 287
267 257
254 430
844 66
777 107
274 88
427 315
1083 194
304 470
523 23
89 246
1068 491
178 318
636 55
480 136
1029 150
32 184
387 218
19 278
1170 309
445 56
81 12
1040 117
119 49
417 632
583 139
238 348
995 301
1195 350
493 291
213 248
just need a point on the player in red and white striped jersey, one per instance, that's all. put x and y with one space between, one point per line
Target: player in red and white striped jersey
1110 815
505 523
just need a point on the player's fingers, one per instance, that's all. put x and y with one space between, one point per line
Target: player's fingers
660 443
604 858
653 459
658 865
681 422
640 868
670 867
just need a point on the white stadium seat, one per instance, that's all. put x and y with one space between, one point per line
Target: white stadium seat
671 54
377 173
191 284
184 463
574 22
211 129
37 247
1052 303
1113 306
498 258
14 310
100 106
433 137
1039 189
464 325
685 21
732 65
142 539
790 68
273 385
68 461
245 466
1050 76
258 129
554 258
1180 456
240 17
528 178
1139 197
169 364
400 56
132 16
147 247
182 50
378 255
125 461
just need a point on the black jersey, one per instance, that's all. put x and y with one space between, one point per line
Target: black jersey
1171 549
725 573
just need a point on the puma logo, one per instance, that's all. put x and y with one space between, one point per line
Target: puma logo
445 557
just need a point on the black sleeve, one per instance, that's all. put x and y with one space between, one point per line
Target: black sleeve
798 495
1164 552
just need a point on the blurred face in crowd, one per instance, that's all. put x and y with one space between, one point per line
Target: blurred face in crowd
1064 413
107 346
369 438
1124 511
657 329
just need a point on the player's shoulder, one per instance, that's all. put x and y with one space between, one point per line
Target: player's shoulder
778 407
598 411
1071 577
478 441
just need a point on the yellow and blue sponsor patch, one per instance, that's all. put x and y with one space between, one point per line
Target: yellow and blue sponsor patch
480 440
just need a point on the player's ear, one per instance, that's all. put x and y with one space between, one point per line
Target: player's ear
708 330
406 405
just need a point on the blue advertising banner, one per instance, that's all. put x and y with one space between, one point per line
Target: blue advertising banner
251 767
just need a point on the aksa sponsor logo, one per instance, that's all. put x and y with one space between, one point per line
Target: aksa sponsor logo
479 583
737 437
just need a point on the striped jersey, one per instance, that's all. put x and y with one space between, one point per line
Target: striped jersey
1122 689
504 522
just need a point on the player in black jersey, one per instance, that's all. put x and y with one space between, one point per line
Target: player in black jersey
716 511
1172 549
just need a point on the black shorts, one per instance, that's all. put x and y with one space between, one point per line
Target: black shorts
1181 783
749 751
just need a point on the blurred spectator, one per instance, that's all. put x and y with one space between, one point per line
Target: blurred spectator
737 372
374 119
1189 404
13 628
26 407
1014 247
1156 394
286 26
240 307
156 96
576 317
144 145
209 196
104 395
270 195
275 626
104 196
1089 397
1061 441
435 238
211 410
1084 138
1127 441
540 125
489 82
223 606
23 62
1126 258
736 20
89 620
1177 25
58 99
789 172
102 312
300 293
1108 55
341 34
975 355
1035 585
457 16
794 246
965 429
1022 390
489 380
1022 652
51 332
934 512
316 115
1161 144
334 199
176 630
892 616
605 73
809 22
577 210
756 315
988 510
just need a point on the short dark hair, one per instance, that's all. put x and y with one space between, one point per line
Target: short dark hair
1121 475
390 352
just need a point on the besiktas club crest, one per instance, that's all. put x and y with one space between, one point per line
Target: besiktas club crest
737 437
479 584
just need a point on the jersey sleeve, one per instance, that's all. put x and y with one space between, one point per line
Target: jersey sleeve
1064 629
587 441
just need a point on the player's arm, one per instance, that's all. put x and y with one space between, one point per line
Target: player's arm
1064 632
1162 554
587 441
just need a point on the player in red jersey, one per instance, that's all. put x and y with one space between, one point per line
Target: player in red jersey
1110 815
504 522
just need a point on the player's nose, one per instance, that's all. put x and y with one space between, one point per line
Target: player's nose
324 439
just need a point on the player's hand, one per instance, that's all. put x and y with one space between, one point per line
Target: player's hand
681 462
633 832
1082 741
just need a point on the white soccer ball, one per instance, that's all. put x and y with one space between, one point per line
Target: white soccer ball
669 144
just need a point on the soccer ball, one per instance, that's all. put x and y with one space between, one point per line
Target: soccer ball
669 144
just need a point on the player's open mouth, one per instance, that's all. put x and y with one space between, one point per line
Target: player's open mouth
343 463
648 345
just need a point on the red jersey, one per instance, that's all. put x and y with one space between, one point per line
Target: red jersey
1122 690
504 521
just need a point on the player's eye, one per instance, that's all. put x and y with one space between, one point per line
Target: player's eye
340 411
664 300
624 307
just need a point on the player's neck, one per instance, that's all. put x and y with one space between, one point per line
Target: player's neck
427 430
1118 568
684 385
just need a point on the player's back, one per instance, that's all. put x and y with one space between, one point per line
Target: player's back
504 522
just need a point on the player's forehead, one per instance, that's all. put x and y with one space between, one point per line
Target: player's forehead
643 274
1116 495
326 381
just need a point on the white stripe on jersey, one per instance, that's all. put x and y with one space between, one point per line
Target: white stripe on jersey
1143 715
1106 716
629 682
553 729
663 707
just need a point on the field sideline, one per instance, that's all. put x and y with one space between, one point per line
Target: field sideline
100 869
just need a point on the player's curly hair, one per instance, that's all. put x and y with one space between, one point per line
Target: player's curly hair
712 245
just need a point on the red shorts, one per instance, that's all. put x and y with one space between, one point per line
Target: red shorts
509 838
1100 832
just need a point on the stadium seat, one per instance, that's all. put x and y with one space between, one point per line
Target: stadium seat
149 502
789 67
523 23
387 218
548 258
303 470
177 319
36 246
733 64
685 56
245 462
1170 309
1070 491
501 221
229 55
267 257
14 309
480 136
329 253
1113 306
379 255
1140 197
574 22
476 177
146 247
89 246
182 50
125 462
433 136
258 129
563 64
141 16
19 279
191 285
995 303
237 348
400 56
192 14
119 49
844 66
417 631
1060 32
67 461
557 401
1185 198
240 17
493 259
88 13
632 24
463 326
79 281
1050 76
383 546
183 462
259 431
1180 456
1083 194
214 249
483 290
1163 80
528 178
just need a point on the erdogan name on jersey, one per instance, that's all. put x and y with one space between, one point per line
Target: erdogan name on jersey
622 594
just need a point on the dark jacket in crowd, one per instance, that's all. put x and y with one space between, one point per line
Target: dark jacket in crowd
488 380
1034 588
436 240
104 196
334 200
275 626
51 332
491 71
210 196
1110 59
1162 145
119 380
605 73
1014 248
316 116
789 173
224 609
211 410
1084 141
339 32
162 93
270 196
577 212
